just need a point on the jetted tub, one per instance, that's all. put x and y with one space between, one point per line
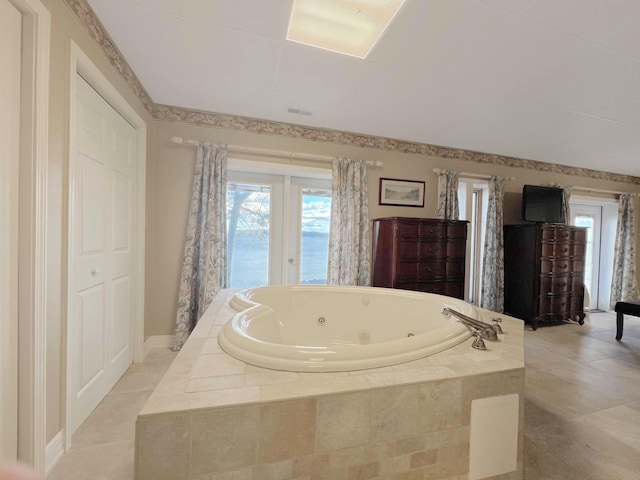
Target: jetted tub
339 328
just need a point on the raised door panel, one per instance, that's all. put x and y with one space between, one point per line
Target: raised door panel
92 325
121 200
121 320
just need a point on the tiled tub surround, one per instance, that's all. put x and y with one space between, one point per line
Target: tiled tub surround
213 417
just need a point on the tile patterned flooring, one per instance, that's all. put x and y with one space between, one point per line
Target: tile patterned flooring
582 408
102 447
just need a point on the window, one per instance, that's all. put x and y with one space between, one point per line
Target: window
313 234
473 196
248 239
277 224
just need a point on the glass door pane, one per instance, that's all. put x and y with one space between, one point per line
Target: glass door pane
590 217
314 235
248 224
588 222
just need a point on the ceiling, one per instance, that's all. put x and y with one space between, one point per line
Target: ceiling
550 80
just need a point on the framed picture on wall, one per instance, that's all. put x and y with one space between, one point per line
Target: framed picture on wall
405 193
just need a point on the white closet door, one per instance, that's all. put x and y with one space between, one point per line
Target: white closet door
100 283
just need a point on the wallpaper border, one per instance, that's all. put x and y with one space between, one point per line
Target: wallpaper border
91 23
97 32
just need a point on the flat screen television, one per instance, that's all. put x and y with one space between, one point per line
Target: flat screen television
542 204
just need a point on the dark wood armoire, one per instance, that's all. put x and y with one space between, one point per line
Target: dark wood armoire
426 255
544 272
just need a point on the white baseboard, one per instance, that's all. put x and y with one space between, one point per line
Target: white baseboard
53 451
158 341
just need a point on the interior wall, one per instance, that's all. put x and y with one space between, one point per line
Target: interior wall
10 58
64 28
171 178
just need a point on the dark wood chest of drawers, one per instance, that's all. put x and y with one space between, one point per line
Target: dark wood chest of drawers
544 272
421 254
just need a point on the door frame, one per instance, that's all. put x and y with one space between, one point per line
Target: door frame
9 209
32 232
82 65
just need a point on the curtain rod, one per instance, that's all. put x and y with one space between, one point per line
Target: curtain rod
479 176
272 153
599 190
595 190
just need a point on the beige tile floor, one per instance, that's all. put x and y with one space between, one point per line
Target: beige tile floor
102 447
582 408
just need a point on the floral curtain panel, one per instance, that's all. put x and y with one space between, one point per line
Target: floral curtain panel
492 297
448 195
205 252
349 232
624 284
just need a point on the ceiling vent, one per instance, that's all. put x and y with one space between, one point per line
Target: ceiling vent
297 111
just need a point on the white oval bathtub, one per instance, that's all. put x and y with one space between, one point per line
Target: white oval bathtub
339 328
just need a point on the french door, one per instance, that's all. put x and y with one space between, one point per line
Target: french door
277 229
599 216
590 216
